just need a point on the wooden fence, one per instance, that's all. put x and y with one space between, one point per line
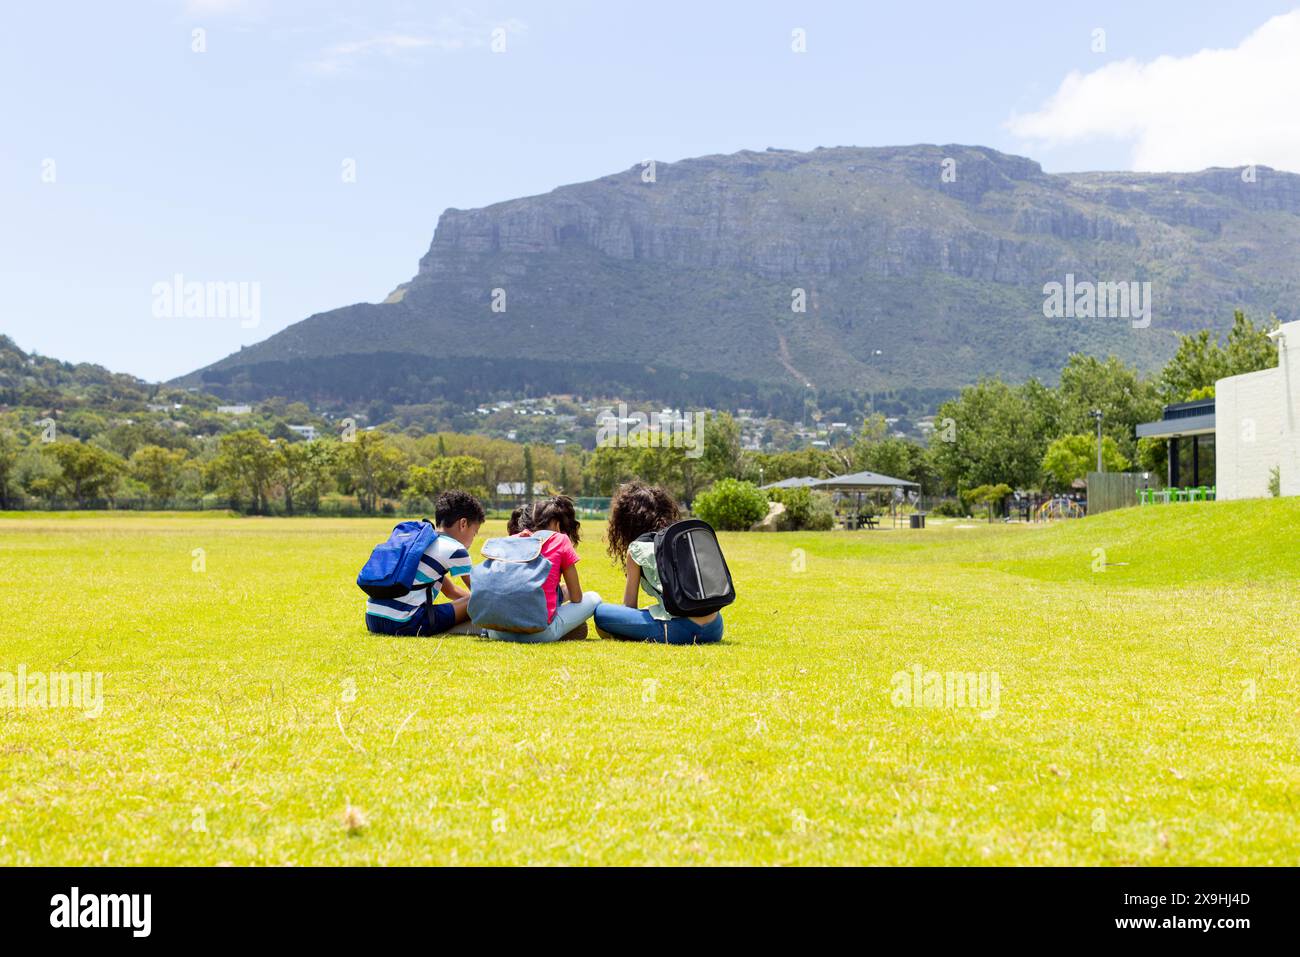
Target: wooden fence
1111 490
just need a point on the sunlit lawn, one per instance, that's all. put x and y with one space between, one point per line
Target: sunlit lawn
1148 707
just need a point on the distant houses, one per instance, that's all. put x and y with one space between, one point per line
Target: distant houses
515 490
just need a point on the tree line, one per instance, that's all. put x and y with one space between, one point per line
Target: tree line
992 434
1038 437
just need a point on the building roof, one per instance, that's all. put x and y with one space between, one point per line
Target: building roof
863 482
801 482
1173 428
1181 418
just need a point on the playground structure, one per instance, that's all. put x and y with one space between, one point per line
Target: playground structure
1023 506
1059 506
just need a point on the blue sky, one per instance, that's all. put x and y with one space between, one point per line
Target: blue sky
227 164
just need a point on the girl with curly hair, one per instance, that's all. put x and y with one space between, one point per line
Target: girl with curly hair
637 512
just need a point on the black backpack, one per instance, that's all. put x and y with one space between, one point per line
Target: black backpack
692 570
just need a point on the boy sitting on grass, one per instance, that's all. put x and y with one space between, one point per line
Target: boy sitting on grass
457 516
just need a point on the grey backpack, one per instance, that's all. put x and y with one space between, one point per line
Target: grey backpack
509 585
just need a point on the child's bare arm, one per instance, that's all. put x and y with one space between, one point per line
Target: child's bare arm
633 584
571 585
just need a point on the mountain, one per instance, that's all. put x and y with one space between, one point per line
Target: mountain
923 269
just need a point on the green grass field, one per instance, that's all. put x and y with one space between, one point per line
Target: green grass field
1148 708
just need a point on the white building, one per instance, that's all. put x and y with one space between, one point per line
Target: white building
1257 425
516 489
308 432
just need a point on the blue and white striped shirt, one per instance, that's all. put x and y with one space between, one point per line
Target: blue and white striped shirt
445 556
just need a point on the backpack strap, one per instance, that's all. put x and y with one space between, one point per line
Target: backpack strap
428 589
649 537
649 585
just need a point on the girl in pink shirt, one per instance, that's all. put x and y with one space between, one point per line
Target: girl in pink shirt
568 619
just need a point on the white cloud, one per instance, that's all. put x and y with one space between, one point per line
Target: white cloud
1231 107
448 35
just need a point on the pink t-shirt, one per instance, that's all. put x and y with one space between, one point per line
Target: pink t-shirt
559 551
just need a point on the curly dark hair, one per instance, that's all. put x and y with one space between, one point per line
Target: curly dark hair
558 509
521 520
636 510
454 505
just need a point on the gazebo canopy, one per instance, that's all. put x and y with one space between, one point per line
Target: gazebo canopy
863 482
800 482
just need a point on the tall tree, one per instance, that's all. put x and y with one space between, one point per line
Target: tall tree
896 457
159 470
86 471
1072 457
988 441
530 474
244 468
372 468
1249 348
9 451
1117 390
303 470
1200 360
463 472
721 457
774 466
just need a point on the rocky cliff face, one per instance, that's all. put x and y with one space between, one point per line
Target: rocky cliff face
694 272
776 214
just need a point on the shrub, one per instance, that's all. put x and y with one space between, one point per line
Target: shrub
798 506
950 508
731 505
804 510
823 514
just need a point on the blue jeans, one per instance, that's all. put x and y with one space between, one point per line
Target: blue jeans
568 616
638 625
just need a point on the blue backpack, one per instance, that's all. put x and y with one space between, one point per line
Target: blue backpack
509 592
390 572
